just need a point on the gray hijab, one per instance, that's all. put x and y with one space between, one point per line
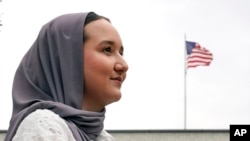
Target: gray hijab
50 76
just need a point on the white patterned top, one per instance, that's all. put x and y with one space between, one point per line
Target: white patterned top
45 125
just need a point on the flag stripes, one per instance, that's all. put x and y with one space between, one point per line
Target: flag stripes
197 55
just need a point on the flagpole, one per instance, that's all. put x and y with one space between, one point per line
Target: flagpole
185 83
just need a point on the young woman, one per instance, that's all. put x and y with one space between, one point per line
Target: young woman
72 71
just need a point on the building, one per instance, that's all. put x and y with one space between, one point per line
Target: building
164 135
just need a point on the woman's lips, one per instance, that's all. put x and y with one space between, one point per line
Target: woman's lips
117 80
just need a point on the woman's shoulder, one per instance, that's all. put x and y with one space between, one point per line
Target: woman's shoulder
42 124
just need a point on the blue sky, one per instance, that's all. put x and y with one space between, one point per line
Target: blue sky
153 36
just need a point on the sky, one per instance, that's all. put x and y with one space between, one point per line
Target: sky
153 34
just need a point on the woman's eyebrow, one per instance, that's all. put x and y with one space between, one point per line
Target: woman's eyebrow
107 42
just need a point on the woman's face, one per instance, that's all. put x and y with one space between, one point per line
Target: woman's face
104 66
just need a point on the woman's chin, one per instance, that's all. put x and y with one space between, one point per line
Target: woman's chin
115 98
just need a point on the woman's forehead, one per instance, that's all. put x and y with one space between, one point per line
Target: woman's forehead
101 30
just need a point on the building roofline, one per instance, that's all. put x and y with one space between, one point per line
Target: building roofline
3 131
161 131
169 131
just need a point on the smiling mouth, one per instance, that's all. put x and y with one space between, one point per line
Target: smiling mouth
117 80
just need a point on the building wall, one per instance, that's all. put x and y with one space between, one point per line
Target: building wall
172 135
165 135
2 133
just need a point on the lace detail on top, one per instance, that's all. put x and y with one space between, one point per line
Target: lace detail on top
105 136
45 125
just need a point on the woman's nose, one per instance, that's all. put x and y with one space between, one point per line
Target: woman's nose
121 65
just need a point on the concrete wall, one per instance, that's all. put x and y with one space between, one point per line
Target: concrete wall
165 135
2 133
172 135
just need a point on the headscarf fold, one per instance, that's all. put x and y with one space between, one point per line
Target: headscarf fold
50 76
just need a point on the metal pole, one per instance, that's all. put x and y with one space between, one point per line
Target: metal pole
185 84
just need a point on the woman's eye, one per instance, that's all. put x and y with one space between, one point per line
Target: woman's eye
107 49
121 52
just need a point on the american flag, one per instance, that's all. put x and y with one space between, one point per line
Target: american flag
197 55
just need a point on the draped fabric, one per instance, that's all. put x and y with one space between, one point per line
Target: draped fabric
50 76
